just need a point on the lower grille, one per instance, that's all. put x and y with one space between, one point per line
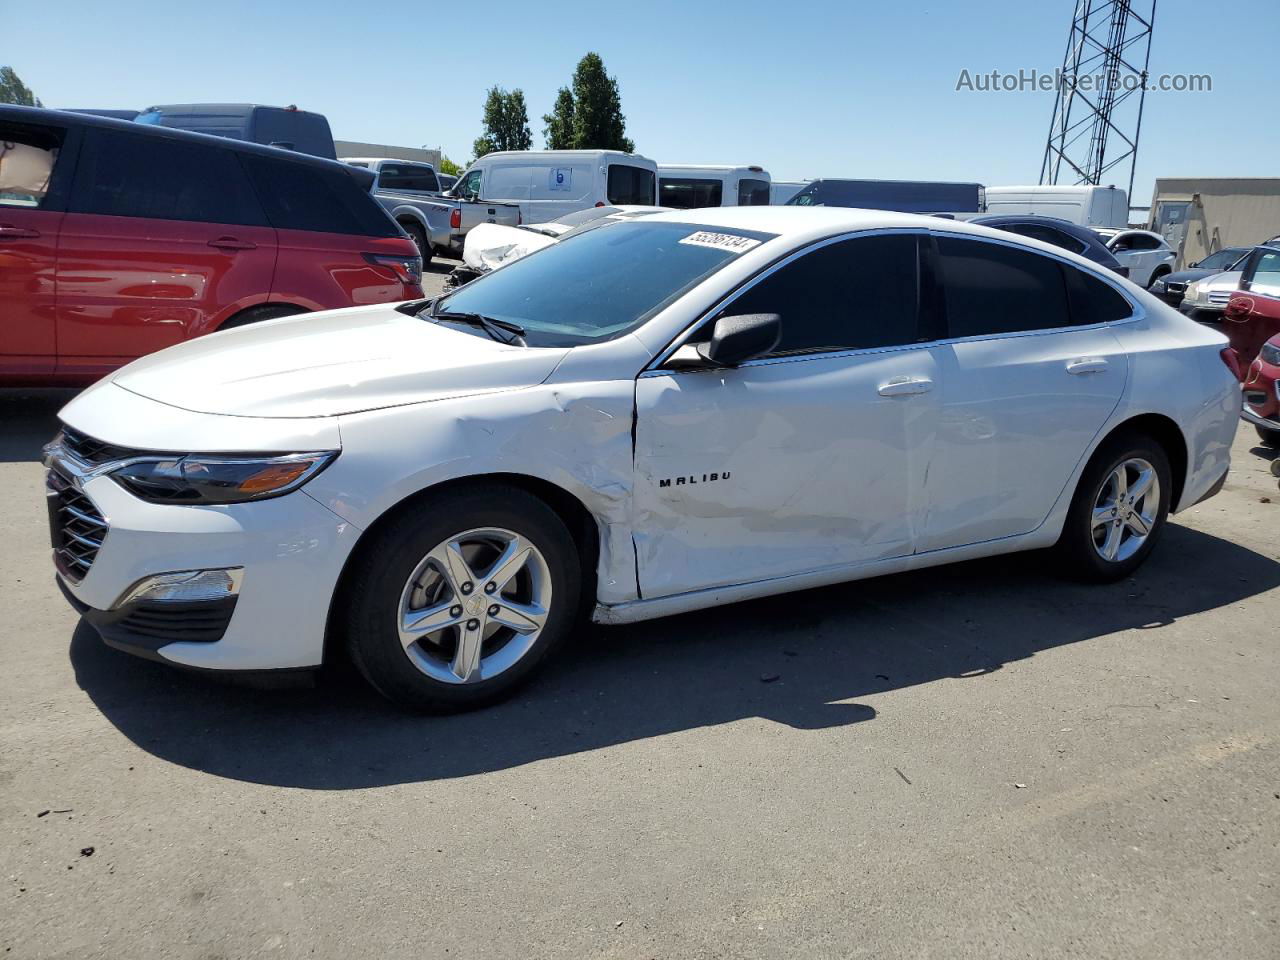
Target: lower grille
76 527
202 622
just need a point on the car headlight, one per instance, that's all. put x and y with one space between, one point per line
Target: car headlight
1158 286
1270 353
198 479
1192 292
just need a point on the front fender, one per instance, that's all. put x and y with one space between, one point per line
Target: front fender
574 436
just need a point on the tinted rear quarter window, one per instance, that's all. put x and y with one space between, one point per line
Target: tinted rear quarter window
855 294
1092 300
300 196
990 289
628 184
136 175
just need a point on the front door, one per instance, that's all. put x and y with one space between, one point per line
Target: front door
163 240
30 220
811 457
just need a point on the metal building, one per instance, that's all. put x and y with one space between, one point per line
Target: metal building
1199 215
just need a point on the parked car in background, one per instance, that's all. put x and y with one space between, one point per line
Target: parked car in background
547 184
447 180
1147 254
492 245
1172 287
1262 387
442 488
685 186
285 127
400 176
903 196
139 237
1059 233
780 191
1083 204
1207 298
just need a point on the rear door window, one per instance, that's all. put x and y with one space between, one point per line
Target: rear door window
28 156
628 184
1038 231
137 175
855 294
686 193
991 289
753 193
300 196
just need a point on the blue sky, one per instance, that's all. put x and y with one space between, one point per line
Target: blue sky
854 89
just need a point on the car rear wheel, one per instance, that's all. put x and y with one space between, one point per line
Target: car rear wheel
1269 437
419 238
1118 511
462 598
270 311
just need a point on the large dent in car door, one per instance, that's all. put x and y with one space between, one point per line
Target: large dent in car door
576 436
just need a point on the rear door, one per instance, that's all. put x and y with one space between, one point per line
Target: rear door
1030 373
163 240
36 163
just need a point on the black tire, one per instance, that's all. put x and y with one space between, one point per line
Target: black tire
1269 437
1077 553
419 238
388 561
270 311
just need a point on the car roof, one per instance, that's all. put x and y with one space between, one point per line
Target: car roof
16 114
416 163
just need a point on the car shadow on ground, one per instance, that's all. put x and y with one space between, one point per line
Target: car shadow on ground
28 420
804 660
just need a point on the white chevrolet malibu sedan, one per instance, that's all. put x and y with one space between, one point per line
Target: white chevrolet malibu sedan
677 412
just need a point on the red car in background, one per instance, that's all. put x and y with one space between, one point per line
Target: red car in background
118 239
1252 324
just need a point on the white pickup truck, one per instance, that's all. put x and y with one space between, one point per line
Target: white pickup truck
437 221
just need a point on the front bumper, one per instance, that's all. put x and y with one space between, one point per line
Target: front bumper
291 549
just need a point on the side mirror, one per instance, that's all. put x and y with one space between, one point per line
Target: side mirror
735 340
1192 266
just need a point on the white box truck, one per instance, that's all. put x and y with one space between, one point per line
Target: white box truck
1083 204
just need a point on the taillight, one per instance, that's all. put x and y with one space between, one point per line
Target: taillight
1232 360
406 269
455 219
599 203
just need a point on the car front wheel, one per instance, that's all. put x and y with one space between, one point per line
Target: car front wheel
462 597
1118 511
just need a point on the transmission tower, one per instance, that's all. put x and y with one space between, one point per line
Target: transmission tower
1097 113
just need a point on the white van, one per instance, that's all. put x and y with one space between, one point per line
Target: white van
688 185
1083 204
780 191
548 184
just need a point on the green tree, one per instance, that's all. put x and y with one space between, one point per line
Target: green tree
506 123
598 123
13 90
448 166
558 131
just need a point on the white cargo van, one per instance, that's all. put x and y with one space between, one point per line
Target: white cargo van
551 183
1083 204
688 185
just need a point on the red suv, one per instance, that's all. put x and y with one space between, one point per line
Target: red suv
118 239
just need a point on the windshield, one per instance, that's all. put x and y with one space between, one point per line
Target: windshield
601 284
1223 259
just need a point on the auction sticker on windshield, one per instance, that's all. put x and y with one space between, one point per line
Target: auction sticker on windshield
721 241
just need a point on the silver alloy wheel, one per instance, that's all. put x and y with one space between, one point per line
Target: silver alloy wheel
1125 510
474 605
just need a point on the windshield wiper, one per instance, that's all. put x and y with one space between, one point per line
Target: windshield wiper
504 331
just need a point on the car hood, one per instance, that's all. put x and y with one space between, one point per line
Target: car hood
330 363
490 245
1188 276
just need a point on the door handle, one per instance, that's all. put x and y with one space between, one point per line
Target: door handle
905 387
9 232
233 243
1084 365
